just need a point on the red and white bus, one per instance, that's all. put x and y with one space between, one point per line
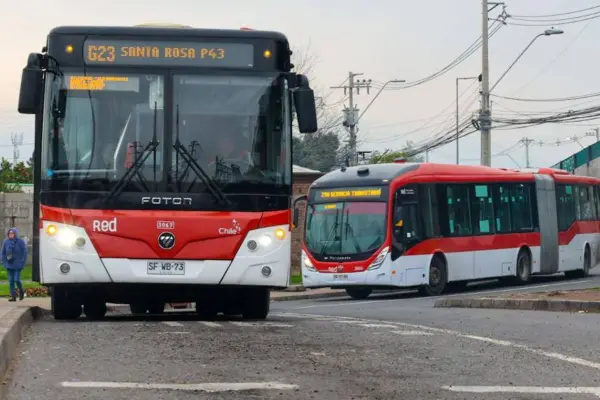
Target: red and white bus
163 167
436 227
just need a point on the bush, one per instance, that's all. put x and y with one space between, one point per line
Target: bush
41 291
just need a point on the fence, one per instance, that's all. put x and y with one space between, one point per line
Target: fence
16 210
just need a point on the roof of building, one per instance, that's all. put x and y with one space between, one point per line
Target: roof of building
296 169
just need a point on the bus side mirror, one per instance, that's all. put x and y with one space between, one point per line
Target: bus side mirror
295 217
296 211
30 94
304 102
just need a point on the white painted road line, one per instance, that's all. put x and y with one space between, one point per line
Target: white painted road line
204 387
413 333
469 294
172 323
506 343
378 325
277 325
524 389
241 323
211 324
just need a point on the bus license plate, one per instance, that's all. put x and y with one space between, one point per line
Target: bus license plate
340 277
166 268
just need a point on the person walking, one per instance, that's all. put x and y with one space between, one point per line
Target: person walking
14 257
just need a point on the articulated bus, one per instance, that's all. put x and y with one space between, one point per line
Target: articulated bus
163 168
437 227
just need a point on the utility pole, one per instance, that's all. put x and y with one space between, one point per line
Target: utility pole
527 142
351 112
485 115
17 140
457 133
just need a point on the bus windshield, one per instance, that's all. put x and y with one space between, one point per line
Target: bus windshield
345 228
97 125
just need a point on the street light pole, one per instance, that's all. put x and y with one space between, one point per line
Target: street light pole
377 95
485 114
458 79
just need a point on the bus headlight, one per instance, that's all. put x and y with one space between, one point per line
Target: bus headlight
379 259
306 262
66 237
265 240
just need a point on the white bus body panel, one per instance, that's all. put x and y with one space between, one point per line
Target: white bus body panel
411 271
87 267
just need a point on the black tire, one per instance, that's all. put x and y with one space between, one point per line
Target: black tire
156 308
95 310
585 271
438 278
63 306
137 308
256 304
359 293
523 270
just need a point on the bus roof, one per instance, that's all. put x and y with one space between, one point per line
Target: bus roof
166 32
383 174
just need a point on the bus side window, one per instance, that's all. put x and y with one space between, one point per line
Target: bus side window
406 219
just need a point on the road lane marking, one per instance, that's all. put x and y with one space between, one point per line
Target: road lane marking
210 324
204 387
505 343
524 389
413 333
241 323
378 325
172 323
469 294
277 325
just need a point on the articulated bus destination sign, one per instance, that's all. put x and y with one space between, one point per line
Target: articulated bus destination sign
354 193
182 54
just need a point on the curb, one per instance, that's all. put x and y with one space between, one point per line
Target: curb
12 329
308 295
521 304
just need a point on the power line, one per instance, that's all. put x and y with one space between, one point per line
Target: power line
558 14
551 100
546 23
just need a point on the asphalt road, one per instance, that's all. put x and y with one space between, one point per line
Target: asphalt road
389 347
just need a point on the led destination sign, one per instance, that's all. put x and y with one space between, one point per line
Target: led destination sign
358 193
147 53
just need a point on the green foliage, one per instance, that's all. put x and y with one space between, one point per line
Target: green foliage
12 175
316 150
388 156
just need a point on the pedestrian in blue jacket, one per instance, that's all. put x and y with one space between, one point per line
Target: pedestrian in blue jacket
14 257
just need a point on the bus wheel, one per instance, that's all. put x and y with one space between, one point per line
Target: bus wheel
359 293
523 267
437 278
156 308
587 263
63 306
137 308
94 310
256 303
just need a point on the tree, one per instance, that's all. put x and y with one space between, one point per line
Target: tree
317 150
389 155
11 176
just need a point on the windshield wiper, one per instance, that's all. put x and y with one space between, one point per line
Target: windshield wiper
331 232
192 164
138 163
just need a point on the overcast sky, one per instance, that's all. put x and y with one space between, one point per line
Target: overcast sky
383 39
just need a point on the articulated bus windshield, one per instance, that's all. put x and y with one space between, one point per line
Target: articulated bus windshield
232 128
345 228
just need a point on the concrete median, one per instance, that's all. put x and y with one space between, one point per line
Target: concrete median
521 304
